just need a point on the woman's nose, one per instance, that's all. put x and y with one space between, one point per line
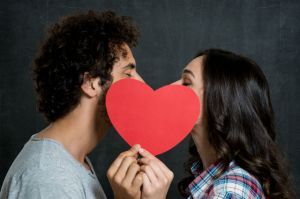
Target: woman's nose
178 82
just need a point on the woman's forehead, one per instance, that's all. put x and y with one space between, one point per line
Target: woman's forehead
195 65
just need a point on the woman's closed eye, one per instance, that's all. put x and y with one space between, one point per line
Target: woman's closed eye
186 82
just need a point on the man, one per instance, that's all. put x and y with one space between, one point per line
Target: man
82 55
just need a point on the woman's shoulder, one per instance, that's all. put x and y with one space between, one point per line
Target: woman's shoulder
237 183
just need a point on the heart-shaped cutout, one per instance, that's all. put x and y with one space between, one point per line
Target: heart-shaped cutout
157 120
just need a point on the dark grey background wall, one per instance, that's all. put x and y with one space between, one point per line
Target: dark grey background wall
172 32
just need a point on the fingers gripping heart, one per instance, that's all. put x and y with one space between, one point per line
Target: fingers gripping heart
145 178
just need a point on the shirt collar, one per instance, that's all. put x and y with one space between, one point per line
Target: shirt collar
196 168
203 179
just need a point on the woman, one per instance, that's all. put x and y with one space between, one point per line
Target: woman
234 154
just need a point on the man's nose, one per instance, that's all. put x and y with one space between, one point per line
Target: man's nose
138 77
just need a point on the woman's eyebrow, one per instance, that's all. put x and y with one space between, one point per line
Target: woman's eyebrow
187 71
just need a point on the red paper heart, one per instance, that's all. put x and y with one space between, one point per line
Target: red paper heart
157 120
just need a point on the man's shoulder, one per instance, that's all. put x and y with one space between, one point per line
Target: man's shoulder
43 175
42 155
40 161
39 182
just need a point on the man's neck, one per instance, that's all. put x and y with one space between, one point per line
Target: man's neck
79 132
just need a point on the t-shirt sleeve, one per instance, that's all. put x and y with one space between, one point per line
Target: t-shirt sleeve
46 184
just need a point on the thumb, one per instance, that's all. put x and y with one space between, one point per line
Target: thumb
146 153
135 148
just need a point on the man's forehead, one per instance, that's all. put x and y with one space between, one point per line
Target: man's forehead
126 61
123 50
126 55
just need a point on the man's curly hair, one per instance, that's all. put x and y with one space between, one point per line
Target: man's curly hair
85 42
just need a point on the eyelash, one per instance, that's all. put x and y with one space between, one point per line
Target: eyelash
186 84
128 74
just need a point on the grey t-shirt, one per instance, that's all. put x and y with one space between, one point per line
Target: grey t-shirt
45 169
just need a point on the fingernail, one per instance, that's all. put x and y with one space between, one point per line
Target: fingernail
137 147
141 150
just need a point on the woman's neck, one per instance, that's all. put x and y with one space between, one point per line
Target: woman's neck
205 149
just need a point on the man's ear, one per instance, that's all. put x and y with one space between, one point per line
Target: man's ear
90 86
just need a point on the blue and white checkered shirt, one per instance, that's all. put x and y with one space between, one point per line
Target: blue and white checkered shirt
235 183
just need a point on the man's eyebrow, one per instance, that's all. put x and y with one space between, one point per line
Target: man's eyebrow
129 66
188 72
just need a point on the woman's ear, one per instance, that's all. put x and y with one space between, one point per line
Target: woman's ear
90 86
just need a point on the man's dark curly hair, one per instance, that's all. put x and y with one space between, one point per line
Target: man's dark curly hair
81 43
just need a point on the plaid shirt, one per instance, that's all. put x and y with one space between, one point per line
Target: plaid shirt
234 183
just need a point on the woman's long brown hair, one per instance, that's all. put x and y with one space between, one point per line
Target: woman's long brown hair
240 121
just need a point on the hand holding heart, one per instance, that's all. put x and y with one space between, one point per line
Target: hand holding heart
127 177
156 176
147 178
124 175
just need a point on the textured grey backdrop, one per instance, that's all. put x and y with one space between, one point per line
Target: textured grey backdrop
268 31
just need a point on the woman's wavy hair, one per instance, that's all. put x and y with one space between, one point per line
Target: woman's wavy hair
240 122
80 43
